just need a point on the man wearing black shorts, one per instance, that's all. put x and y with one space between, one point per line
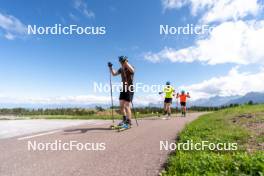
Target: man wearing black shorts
183 104
126 94
169 92
183 99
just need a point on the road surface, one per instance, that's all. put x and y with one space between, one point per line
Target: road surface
11 128
135 152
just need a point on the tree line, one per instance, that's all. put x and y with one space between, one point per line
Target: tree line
89 112
40 111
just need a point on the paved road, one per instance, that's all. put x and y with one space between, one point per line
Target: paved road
135 152
11 128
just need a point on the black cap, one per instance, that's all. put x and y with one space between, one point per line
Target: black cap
122 59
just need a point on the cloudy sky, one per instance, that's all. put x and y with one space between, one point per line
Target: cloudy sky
62 68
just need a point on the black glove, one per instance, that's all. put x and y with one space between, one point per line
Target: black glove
110 64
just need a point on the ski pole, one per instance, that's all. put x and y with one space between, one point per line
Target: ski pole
162 106
111 93
134 113
177 104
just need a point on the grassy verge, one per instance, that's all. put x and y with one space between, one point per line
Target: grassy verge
242 125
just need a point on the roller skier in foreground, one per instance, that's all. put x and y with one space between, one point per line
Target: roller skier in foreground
127 92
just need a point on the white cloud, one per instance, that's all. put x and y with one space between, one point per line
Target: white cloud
217 10
234 83
11 26
9 36
173 4
231 9
82 7
230 42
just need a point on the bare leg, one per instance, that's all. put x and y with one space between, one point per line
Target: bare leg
183 110
122 107
165 108
127 109
169 108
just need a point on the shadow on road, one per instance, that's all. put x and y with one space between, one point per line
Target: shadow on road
84 130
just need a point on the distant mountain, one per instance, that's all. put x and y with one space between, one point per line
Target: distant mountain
214 101
256 97
156 105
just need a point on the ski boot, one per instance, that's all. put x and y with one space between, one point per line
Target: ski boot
169 116
123 121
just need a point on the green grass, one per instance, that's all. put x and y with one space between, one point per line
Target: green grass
225 126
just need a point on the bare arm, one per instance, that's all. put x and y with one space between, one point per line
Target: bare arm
173 93
113 72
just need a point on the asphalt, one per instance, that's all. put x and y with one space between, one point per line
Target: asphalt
12 128
134 152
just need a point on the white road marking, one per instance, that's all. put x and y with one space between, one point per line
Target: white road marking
37 135
13 128
52 132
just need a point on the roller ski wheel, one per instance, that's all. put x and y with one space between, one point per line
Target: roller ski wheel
115 127
124 127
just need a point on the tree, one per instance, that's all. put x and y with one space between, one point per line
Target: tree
250 102
99 108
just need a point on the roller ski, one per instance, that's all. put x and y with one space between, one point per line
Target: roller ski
116 127
124 127
167 116
121 124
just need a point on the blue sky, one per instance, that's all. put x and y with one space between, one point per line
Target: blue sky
66 66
